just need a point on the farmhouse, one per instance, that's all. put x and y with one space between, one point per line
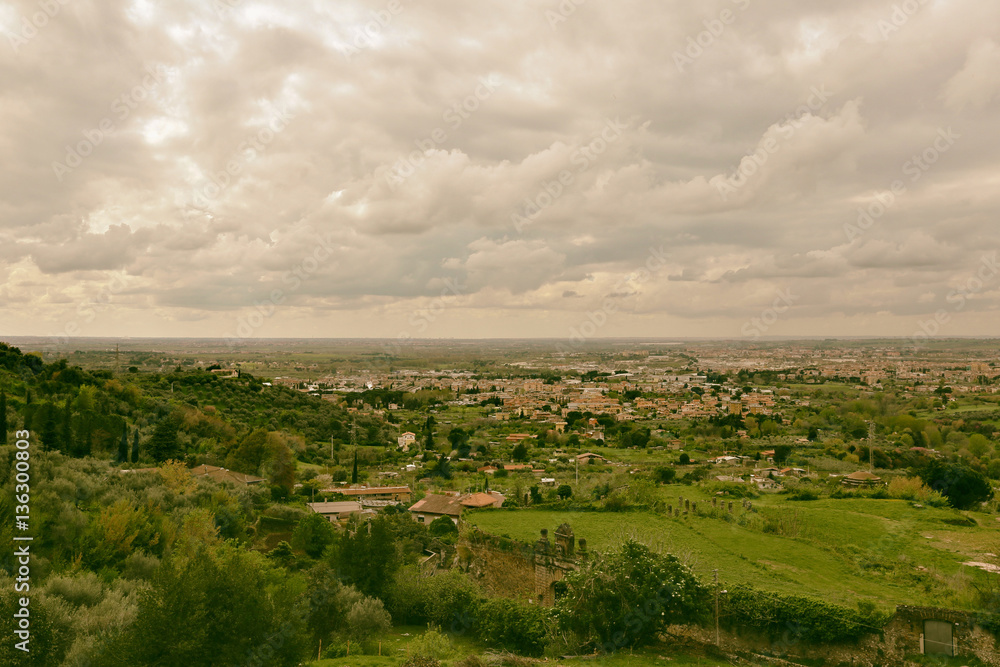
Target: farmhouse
336 511
396 493
435 505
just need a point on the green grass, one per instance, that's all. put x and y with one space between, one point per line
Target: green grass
395 643
842 550
394 649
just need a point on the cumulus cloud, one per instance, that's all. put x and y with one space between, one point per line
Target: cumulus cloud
359 161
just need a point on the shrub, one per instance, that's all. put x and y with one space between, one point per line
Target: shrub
432 644
368 618
512 625
796 617
443 599
627 597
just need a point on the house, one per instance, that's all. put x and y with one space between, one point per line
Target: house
587 457
405 440
336 511
396 493
480 500
224 475
727 460
435 505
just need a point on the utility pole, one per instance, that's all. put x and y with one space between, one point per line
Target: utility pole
871 446
715 574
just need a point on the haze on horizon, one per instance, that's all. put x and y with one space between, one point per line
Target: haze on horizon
440 169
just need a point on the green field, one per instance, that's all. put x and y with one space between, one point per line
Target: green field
842 550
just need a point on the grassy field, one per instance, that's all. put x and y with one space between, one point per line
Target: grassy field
846 550
395 648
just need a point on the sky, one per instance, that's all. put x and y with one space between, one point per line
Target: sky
499 168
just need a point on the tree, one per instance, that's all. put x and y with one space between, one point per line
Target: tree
520 452
813 434
664 475
3 418
684 459
626 598
50 436
444 527
232 608
961 485
123 445
314 534
163 445
66 433
440 468
564 491
135 447
367 556
781 453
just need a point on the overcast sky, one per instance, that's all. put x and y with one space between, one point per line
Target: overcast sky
445 168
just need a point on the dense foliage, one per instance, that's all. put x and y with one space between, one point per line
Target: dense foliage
796 618
628 596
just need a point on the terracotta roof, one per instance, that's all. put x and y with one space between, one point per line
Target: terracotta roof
373 490
863 474
482 500
434 503
338 507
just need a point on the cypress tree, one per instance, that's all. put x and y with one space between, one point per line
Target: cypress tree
163 445
67 427
3 418
86 434
123 445
50 437
135 447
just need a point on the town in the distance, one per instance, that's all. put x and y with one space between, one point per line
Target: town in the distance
501 503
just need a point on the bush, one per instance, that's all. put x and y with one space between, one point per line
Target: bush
664 475
803 494
961 485
432 644
443 599
627 597
314 534
512 625
368 618
796 617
